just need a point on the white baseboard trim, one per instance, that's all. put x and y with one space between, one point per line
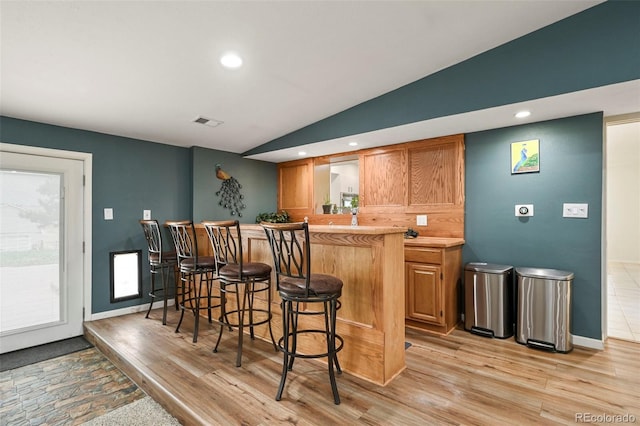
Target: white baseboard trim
587 342
128 310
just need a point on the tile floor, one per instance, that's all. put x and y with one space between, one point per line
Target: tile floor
623 310
67 390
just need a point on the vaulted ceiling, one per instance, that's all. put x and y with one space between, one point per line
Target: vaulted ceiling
147 69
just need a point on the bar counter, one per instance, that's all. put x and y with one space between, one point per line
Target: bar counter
370 262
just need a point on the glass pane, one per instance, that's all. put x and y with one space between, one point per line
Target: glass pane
29 249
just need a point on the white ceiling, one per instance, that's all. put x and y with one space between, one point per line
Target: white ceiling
146 69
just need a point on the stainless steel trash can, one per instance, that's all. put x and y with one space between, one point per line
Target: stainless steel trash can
488 299
544 308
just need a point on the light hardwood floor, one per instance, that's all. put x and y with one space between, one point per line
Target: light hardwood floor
457 379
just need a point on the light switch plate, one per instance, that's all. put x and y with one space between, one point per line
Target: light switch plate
146 214
421 220
575 210
108 214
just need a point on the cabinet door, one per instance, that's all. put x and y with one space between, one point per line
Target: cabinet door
436 173
295 180
424 293
383 179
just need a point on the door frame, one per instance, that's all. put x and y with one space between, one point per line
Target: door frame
87 159
608 121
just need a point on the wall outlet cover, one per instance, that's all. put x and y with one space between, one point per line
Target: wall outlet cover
146 214
524 210
108 214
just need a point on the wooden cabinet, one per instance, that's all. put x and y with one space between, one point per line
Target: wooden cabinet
423 292
435 174
433 279
382 175
295 187
396 183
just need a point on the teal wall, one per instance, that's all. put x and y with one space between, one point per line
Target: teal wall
131 175
570 172
258 180
594 48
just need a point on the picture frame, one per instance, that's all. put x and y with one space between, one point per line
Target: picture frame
525 156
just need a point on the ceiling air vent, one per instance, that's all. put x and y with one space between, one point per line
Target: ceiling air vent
207 121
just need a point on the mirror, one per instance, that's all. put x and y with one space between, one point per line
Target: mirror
336 182
126 275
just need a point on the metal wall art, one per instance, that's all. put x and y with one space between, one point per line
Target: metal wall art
229 193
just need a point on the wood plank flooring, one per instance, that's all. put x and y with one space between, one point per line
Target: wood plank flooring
457 379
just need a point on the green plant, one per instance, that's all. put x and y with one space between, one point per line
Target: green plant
327 200
354 202
275 217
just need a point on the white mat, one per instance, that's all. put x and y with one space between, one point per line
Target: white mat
143 412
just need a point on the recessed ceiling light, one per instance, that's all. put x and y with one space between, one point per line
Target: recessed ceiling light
301 153
231 60
353 143
523 114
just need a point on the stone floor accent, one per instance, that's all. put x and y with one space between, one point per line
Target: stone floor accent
67 390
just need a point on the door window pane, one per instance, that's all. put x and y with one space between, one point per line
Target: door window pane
29 249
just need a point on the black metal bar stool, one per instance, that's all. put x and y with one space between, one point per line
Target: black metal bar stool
196 272
244 279
160 262
299 288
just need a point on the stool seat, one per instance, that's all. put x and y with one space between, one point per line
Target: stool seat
167 256
202 262
319 284
232 270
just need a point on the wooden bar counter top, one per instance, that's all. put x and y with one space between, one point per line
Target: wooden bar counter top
370 262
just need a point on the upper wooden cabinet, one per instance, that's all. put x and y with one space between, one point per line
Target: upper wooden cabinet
396 183
295 187
414 176
382 173
436 173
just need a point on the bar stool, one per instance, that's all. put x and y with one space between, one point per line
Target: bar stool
160 262
195 272
299 288
244 279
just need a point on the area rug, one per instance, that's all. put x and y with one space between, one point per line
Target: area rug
17 359
143 412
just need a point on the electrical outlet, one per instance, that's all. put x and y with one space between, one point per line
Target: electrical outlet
524 209
421 220
146 214
108 214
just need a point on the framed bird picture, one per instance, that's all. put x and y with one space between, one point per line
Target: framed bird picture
525 156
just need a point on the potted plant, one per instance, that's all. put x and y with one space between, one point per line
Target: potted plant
282 217
326 207
354 204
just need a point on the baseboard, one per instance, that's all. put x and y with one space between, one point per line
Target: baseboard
128 310
587 342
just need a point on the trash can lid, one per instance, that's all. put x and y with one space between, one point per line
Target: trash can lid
487 267
548 274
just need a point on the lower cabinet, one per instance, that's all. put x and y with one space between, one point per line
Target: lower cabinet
433 280
423 293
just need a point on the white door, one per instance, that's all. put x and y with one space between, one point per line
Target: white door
41 249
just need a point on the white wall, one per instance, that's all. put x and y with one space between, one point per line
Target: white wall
623 192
